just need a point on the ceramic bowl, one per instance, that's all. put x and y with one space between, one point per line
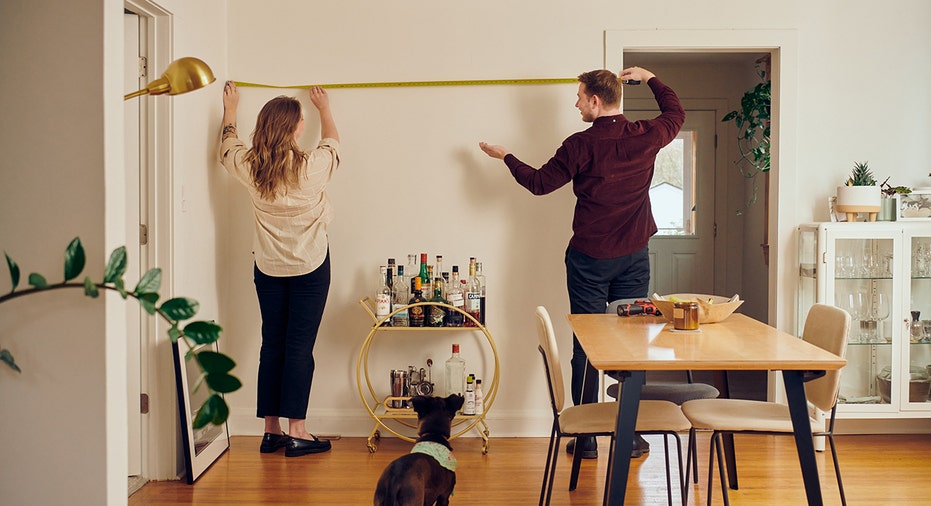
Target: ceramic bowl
711 308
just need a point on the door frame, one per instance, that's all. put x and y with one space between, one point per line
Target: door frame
159 428
783 45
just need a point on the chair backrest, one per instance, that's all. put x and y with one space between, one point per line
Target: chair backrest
826 327
551 359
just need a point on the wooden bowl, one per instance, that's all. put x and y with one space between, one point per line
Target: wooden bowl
711 308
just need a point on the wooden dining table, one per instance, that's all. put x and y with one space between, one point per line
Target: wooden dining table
630 346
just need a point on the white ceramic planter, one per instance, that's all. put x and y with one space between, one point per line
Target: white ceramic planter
859 199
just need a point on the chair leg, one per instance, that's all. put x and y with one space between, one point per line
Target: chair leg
576 465
720 444
682 479
711 466
552 471
668 479
550 456
840 483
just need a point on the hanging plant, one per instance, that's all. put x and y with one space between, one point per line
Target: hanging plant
753 130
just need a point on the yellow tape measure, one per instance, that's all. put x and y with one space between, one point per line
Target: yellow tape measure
402 84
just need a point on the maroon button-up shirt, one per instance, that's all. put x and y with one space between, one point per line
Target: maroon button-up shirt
611 166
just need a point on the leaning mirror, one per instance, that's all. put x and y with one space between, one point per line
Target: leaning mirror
202 447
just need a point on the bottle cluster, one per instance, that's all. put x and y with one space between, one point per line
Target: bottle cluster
467 386
400 287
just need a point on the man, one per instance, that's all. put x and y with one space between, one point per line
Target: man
610 165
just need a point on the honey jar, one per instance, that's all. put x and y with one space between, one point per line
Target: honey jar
685 316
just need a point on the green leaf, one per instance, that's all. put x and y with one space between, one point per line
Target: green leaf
179 308
223 383
729 116
116 267
150 282
74 259
119 285
213 362
7 358
90 289
38 281
14 272
174 333
147 301
202 332
214 410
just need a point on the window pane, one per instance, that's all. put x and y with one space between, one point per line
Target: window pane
672 192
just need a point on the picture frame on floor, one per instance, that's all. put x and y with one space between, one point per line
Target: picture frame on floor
203 446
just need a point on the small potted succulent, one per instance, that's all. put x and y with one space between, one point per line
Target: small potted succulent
860 194
888 199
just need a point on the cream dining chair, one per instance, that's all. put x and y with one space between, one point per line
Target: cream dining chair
598 419
826 327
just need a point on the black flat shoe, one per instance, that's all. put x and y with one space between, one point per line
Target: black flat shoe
297 446
271 443
589 447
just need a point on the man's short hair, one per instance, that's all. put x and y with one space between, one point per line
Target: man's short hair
604 84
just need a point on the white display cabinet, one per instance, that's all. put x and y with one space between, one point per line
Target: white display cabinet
879 272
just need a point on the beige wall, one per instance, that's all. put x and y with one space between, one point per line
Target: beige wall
410 154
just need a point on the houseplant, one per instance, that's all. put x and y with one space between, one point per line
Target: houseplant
753 130
860 194
215 366
888 200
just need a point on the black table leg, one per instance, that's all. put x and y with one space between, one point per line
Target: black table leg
798 410
629 400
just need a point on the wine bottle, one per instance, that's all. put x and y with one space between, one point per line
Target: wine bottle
383 297
473 297
456 299
399 303
415 314
436 315
481 283
455 373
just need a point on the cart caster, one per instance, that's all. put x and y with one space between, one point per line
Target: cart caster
372 448
485 448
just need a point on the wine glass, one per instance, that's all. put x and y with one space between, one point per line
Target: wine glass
854 306
879 311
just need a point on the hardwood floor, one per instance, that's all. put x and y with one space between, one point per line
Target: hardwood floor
887 469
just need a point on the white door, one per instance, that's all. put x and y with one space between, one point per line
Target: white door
133 80
682 198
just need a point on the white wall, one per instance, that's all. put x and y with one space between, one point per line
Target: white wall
860 92
413 151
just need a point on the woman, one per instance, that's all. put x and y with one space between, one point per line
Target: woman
292 260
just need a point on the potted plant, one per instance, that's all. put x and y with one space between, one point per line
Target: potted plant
888 199
860 194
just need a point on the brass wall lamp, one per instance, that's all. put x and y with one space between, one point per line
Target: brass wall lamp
182 75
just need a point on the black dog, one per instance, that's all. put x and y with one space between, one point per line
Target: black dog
427 474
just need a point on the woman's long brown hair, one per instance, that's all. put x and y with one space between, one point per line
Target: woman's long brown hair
275 159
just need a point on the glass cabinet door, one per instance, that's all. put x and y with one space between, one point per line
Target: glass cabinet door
917 324
860 280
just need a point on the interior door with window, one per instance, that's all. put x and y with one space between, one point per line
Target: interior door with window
682 198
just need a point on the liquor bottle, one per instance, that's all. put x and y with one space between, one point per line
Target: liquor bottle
383 296
479 398
455 373
438 272
473 297
425 275
481 283
456 299
468 407
436 315
399 303
411 270
415 314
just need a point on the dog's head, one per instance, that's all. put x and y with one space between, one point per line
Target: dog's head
435 414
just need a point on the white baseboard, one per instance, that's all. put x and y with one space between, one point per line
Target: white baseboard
353 423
